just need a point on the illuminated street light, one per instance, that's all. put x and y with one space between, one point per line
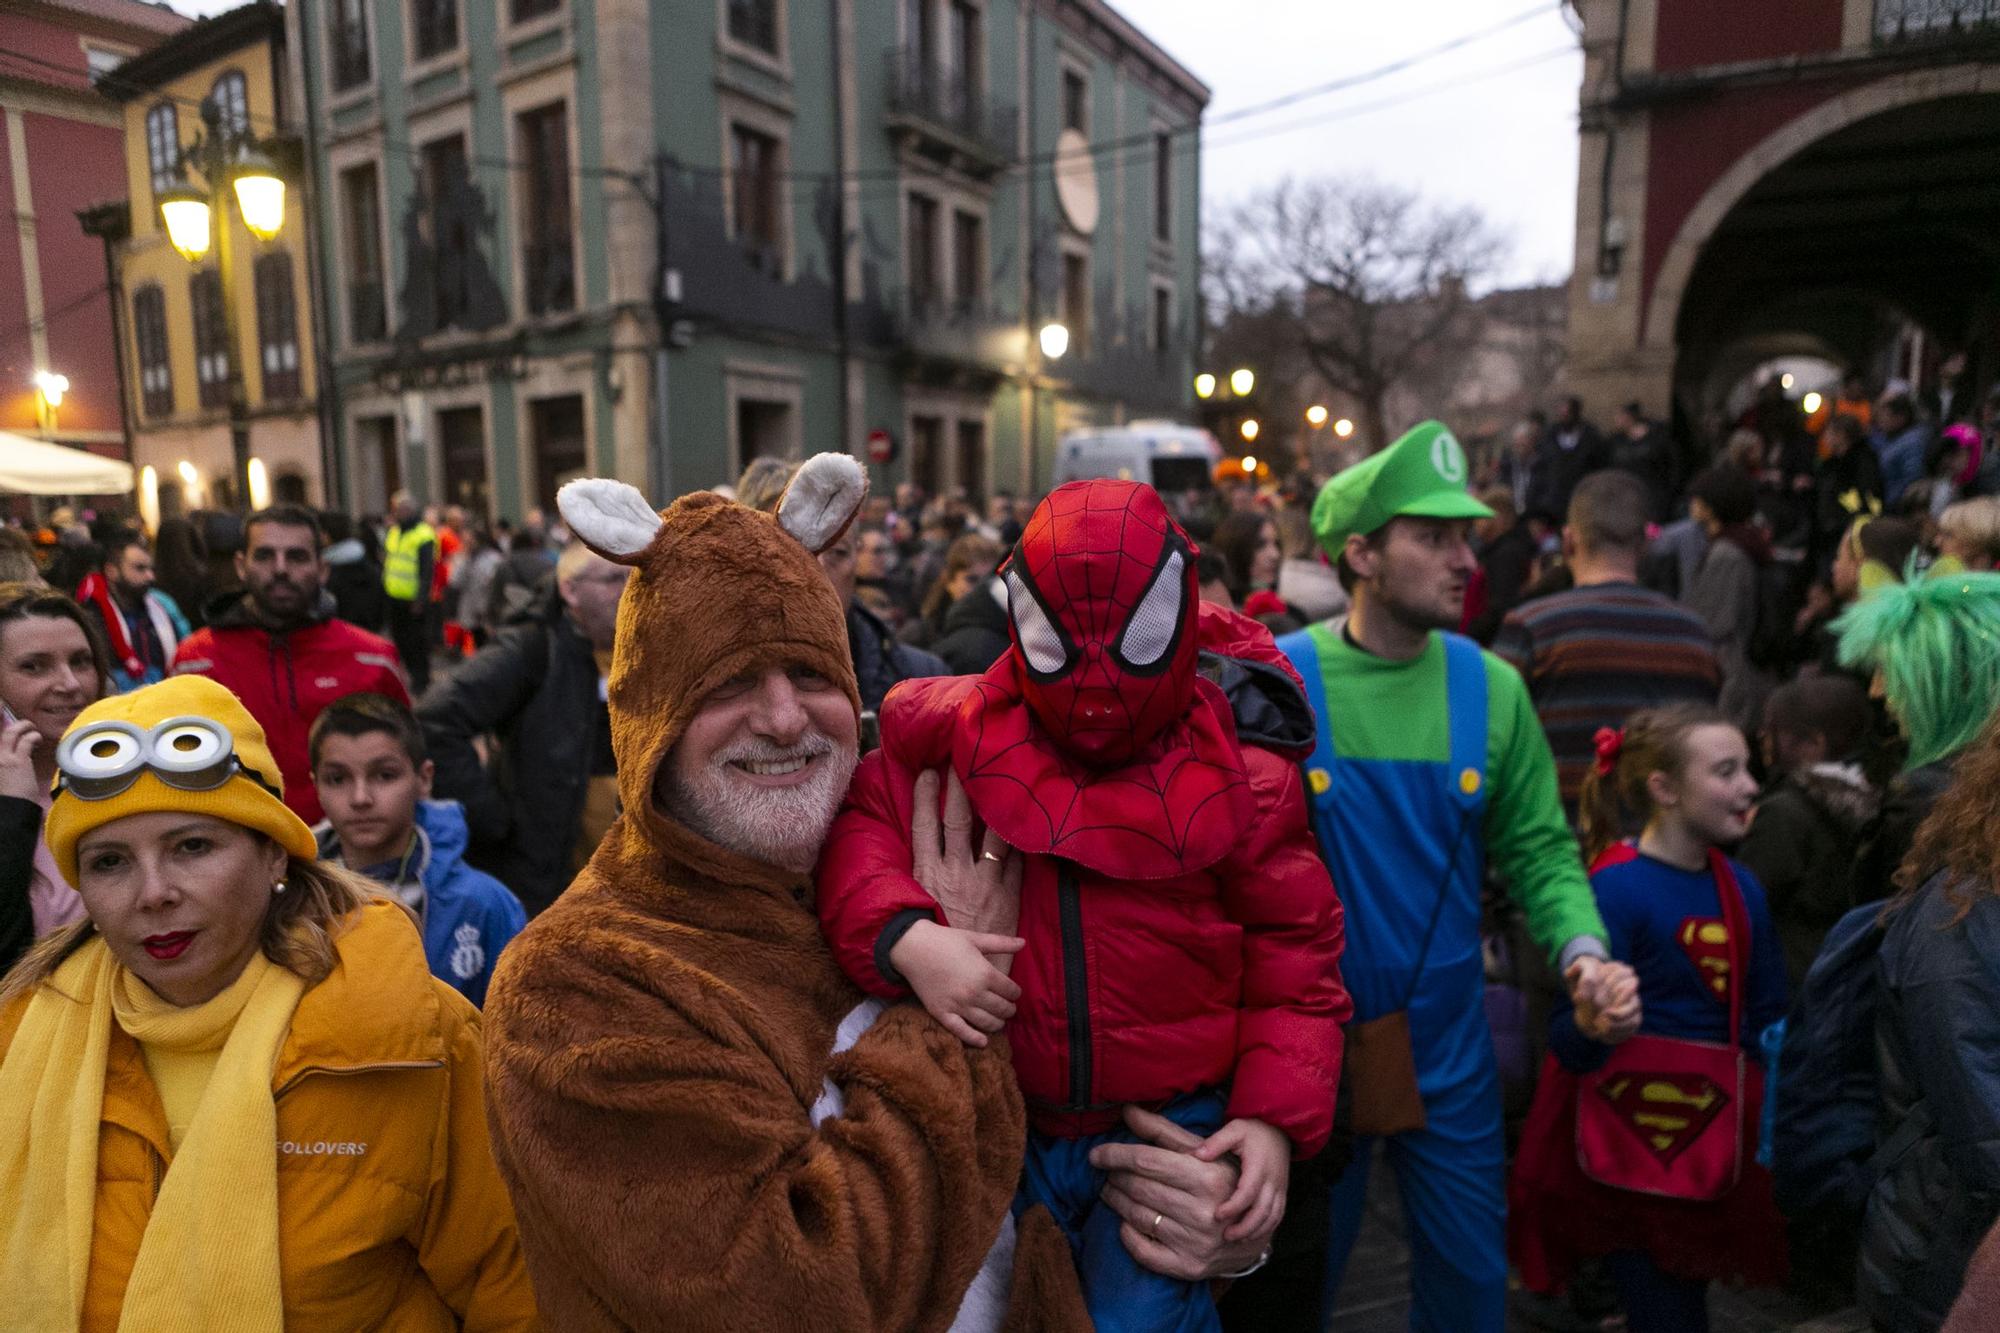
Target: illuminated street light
1055 340
189 477
228 160
260 196
187 216
1249 428
1785 381
260 485
1242 381
1811 403
1249 462
1315 416
149 497
1343 428
52 387
1204 385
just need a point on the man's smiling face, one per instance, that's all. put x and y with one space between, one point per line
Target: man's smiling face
763 766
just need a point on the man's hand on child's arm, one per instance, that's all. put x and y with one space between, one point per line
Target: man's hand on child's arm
1266 1158
949 971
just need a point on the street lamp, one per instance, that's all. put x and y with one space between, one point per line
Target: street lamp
1055 340
1242 381
229 161
1204 385
1315 416
1249 429
49 389
1343 428
1811 403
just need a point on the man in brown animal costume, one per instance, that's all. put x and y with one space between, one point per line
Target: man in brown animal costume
698 1125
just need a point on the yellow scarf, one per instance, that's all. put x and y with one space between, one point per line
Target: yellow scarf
209 1258
182 1046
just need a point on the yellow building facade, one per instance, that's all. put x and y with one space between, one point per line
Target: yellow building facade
173 323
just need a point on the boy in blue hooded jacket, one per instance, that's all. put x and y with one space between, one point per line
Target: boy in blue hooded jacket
374 781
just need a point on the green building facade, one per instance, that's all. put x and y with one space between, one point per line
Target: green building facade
563 237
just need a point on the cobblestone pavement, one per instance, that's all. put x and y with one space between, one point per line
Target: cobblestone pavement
1376 1295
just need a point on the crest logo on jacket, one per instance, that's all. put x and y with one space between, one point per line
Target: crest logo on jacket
468 956
1705 940
1667 1112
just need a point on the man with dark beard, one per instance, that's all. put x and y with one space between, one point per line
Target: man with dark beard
1429 763
279 648
702 1123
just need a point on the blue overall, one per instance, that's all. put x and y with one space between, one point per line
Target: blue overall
1398 834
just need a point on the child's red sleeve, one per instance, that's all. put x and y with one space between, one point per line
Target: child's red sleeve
863 887
1289 1036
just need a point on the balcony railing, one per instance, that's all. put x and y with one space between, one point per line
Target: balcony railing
1935 20
970 335
925 97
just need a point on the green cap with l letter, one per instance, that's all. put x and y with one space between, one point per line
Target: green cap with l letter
1422 475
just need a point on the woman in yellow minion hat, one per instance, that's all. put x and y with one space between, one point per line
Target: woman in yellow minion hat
237 1098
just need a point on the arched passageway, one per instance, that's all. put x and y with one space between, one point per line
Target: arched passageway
1889 220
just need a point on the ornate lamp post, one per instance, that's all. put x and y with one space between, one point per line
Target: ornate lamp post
229 160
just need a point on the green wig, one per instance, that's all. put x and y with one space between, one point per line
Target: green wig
1935 642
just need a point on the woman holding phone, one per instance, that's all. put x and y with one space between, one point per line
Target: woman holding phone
52 666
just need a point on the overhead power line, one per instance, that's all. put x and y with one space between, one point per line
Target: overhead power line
897 175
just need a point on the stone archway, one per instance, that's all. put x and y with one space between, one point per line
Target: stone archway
1887 94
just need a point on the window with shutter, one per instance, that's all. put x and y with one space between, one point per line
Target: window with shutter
149 333
211 339
277 328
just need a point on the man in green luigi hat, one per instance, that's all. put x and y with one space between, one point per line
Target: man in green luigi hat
1429 761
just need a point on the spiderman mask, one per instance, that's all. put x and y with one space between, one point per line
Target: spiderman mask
1101 608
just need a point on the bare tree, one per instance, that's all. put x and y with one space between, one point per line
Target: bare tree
1372 279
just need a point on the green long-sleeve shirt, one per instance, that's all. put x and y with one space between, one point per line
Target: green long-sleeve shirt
1396 711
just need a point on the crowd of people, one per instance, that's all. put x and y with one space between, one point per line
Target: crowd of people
895 912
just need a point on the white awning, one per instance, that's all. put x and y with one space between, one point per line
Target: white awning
37 467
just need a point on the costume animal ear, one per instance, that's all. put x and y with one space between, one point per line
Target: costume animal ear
823 499
611 518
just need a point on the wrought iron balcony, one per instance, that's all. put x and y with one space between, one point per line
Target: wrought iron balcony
947 111
975 337
1935 20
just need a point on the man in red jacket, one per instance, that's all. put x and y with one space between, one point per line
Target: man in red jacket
279 648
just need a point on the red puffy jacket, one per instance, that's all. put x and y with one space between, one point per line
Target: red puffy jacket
1131 991
286 677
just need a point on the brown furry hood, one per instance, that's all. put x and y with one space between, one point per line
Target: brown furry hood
1843 791
717 590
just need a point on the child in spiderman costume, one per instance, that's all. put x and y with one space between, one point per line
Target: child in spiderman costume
1179 937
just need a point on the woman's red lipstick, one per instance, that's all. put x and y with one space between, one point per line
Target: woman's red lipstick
168 946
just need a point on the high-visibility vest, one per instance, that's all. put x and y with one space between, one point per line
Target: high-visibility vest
399 559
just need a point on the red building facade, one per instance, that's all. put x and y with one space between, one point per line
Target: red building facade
1806 178
62 150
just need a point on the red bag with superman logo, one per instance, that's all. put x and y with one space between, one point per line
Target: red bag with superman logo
1667 1116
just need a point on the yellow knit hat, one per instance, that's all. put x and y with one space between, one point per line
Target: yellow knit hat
250 797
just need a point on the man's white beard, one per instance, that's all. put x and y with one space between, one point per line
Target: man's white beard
779 826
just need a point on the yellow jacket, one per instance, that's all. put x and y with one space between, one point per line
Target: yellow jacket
391 1212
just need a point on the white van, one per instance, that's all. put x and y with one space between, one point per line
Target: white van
1169 457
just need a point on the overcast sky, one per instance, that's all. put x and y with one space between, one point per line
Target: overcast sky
1463 128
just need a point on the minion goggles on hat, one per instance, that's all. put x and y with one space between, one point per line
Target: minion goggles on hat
104 759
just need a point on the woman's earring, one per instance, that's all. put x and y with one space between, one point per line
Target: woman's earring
279 887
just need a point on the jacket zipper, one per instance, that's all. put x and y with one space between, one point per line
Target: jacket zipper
1076 984
382 1067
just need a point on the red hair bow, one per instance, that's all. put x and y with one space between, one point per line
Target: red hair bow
1610 742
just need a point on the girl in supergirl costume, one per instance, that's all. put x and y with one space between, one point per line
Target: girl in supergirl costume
1644 1155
